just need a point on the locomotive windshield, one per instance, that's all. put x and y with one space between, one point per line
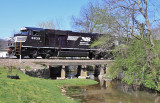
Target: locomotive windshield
24 32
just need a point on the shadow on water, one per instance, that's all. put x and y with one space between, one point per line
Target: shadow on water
111 92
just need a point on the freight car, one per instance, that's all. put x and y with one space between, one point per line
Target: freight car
48 43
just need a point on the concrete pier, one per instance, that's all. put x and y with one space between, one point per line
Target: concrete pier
63 73
83 73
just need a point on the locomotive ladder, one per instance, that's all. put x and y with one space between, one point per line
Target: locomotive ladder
18 49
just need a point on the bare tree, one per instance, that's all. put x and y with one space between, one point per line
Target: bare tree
85 22
47 25
93 18
137 11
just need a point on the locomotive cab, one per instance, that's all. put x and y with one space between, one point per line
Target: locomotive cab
27 38
35 36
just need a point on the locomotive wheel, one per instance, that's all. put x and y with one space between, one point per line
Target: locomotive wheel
97 57
47 56
34 55
43 56
18 56
30 56
90 55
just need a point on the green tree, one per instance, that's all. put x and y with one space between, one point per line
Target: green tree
132 61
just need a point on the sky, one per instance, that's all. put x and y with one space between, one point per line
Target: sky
15 14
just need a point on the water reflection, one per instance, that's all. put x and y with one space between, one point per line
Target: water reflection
113 92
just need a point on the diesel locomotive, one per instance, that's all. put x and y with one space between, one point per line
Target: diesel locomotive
48 43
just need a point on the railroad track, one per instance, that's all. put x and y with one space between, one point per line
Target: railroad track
54 58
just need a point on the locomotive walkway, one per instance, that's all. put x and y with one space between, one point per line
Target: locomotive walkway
98 65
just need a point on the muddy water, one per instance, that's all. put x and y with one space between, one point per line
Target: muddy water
111 92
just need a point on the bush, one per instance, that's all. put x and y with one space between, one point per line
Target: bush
132 59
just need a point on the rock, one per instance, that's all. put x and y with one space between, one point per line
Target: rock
41 73
91 77
80 77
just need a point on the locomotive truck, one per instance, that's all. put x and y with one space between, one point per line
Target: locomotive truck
48 43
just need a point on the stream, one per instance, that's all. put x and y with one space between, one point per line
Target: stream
111 92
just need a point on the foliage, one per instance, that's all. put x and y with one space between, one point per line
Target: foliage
131 59
34 90
104 44
103 41
28 67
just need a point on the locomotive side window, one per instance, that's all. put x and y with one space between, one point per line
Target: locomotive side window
35 33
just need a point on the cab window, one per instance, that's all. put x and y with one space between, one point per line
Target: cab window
24 32
35 33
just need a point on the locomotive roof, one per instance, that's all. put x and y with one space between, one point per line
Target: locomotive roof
68 31
64 31
32 28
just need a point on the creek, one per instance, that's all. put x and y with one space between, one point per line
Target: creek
111 92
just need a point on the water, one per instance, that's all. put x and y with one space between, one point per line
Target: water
111 92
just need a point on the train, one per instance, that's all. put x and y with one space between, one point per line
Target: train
34 42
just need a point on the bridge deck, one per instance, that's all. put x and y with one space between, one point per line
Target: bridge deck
74 62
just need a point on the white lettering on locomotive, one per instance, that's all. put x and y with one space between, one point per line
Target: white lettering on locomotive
84 43
86 39
35 38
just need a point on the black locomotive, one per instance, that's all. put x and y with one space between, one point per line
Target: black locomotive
47 43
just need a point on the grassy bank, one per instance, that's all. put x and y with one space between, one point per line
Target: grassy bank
34 90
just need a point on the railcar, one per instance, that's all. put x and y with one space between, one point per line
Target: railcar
48 43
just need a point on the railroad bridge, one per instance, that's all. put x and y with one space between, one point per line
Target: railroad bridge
98 65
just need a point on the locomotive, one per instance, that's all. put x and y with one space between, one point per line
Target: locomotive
48 43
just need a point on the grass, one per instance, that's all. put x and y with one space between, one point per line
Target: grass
28 67
35 90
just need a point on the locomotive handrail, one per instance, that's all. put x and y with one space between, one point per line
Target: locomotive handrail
13 39
20 44
15 45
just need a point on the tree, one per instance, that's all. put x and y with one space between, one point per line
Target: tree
85 22
93 19
138 57
138 13
156 32
47 25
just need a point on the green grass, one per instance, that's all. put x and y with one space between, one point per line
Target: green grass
27 67
35 90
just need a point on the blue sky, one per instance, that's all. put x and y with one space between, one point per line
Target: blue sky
15 14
